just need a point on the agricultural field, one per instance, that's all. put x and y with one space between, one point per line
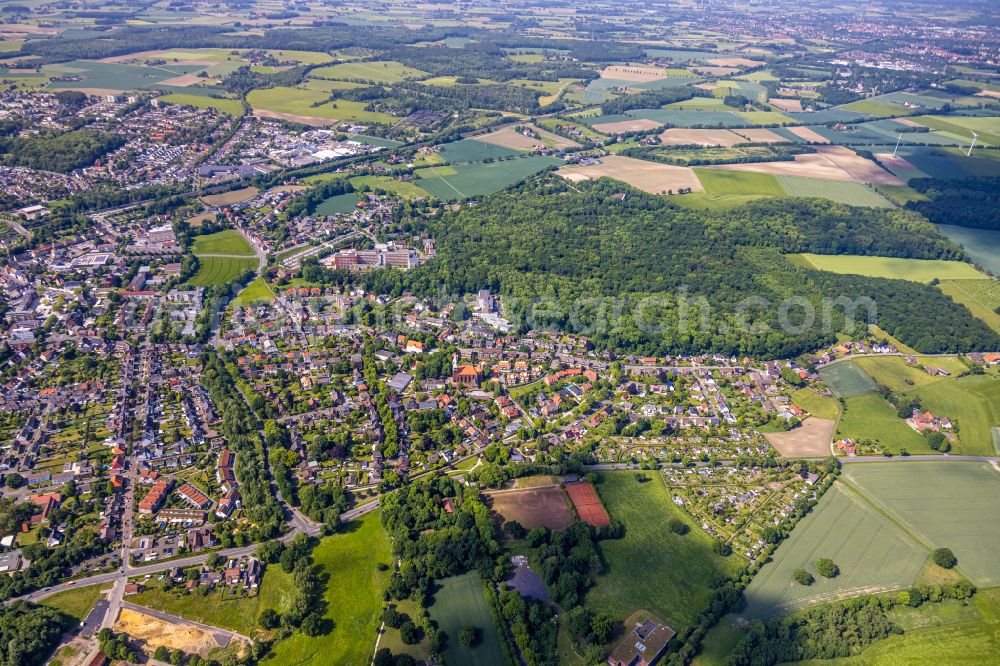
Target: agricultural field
509 138
380 71
721 183
811 439
853 194
651 177
915 270
296 104
231 197
406 189
340 203
946 504
982 297
469 150
474 180
873 554
226 242
961 127
460 603
652 568
215 271
846 379
870 416
982 245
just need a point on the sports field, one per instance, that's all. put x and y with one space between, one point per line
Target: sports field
460 603
846 379
379 71
223 242
873 555
587 504
845 192
534 507
982 297
474 180
946 504
652 568
215 271
915 270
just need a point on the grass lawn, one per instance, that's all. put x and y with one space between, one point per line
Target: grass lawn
223 242
218 608
870 416
944 634
872 552
76 602
982 297
652 568
233 107
846 379
299 102
407 189
816 404
255 291
915 270
722 183
460 603
354 598
949 504
380 71
718 643
220 270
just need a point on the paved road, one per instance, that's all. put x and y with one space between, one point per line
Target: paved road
221 636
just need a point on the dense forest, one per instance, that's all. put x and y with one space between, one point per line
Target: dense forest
967 202
51 151
642 275
28 633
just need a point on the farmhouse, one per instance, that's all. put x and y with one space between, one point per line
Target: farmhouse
642 646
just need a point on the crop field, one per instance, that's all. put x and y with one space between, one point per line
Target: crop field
231 106
810 440
846 379
962 127
652 568
982 297
215 271
381 71
722 183
353 595
534 507
297 104
340 203
460 603
223 242
915 270
468 150
508 138
853 194
982 245
945 634
870 416
116 76
406 189
873 555
944 504
474 180
651 177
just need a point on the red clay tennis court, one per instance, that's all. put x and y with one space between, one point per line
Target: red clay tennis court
587 504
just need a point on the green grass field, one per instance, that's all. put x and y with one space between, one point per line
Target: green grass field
652 568
340 203
77 602
723 183
353 595
233 107
873 555
254 292
915 270
408 189
870 416
944 504
988 128
226 241
945 634
380 71
214 271
846 379
460 603
818 405
299 102
473 180
982 245
470 150
982 297
845 192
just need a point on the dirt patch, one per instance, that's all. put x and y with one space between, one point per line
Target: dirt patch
734 62
812 165
859 168
533 507
897 162
632 73
183 81
587 504
155 632
810 440
907 122
535 481
291 189
789 105
198 220
229 198
761 136
678 136
809 135
303 120
716 71
508 137
634 125
647 176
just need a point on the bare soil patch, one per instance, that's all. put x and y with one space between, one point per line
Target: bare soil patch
634 125
716 71
809 135
155 632
907 122
858 167
228 198
813 165
790 105
810 440
734 62
761 136
649 177
183 81
678 136
305 120
634 73
545 506
508 137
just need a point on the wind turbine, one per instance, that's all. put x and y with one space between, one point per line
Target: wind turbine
974 137
897 144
